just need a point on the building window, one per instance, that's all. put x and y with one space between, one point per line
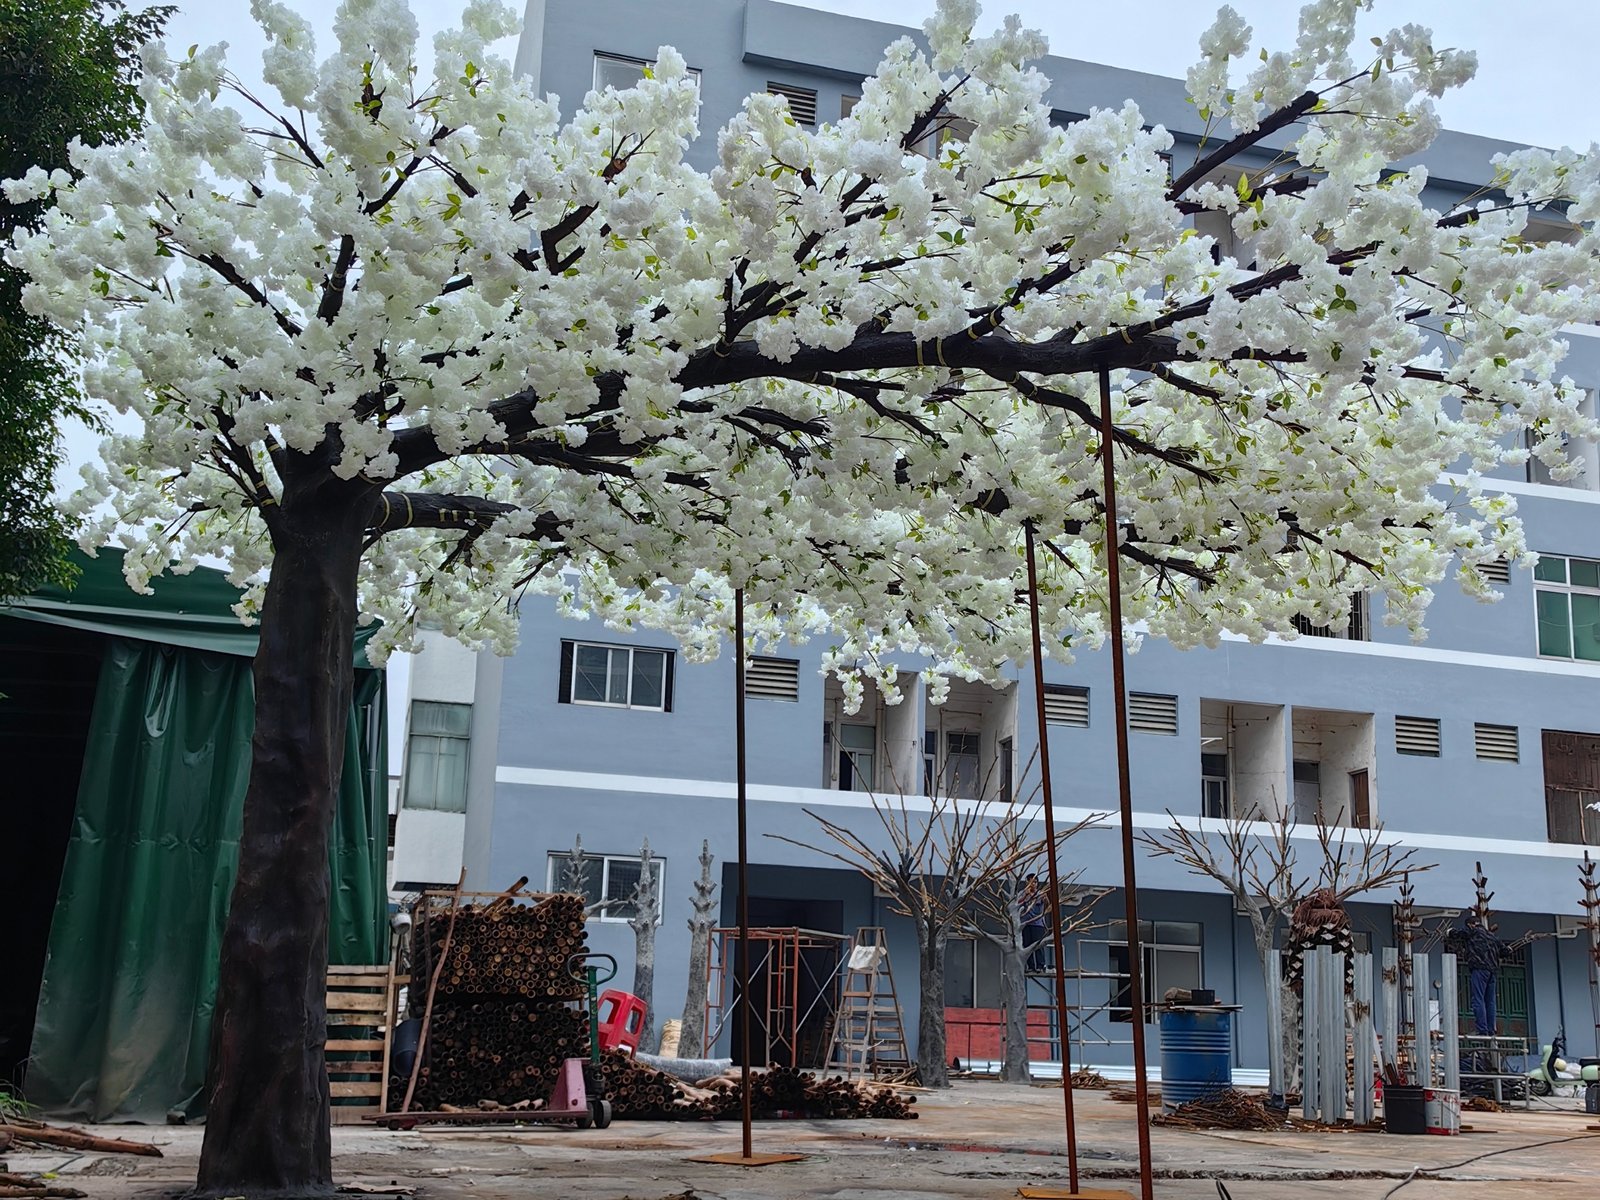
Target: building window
1008 769
1580 451
1567 598
1354 628
957 775
1172 959
609 881
436 756
616 676
972 970
854 756
622 72
1214 786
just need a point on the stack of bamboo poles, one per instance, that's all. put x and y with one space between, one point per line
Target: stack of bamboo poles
642 1093
501 1023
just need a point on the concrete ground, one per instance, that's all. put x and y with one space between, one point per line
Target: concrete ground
978 1140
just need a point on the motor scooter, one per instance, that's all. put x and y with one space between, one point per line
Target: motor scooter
1554 1071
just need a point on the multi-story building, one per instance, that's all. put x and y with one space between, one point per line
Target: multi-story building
1481 746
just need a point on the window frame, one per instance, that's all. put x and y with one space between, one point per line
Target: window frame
631 60
1566 589
985 983
555 870
1585 449
569 690
1149 947
410 775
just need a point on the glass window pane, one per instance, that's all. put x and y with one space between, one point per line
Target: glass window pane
1555 625
619 73
429 716
1585 572
958 974
1586 626
1551 568
561 876
1175 969
649 678
1177 933
988 982
861 766
589 667
622 876
451 793
421 772
858 737
617 678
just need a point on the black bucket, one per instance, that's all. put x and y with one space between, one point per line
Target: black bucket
404 1052
1405 1109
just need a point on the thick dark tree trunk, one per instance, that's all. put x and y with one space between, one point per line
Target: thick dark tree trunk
267 1117
931 1064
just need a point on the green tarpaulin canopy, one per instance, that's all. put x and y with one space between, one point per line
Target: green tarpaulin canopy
130 975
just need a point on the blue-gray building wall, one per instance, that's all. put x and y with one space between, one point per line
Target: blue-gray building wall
614 776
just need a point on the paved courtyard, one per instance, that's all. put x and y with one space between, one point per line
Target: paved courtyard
979 1139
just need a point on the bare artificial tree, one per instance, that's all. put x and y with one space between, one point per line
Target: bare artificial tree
935 865
997 914
575 877
646 904
702 920
1257 863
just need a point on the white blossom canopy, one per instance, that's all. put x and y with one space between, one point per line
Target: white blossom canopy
835 371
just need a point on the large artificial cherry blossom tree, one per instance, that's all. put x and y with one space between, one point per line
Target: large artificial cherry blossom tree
403 346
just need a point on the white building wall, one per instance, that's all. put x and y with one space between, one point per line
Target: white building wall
428 845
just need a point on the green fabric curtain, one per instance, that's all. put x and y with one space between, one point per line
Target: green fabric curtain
125 1009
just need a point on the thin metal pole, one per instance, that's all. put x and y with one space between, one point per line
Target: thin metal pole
1055 878
1130 889
744 864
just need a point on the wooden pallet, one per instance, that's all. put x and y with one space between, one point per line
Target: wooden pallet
360 1013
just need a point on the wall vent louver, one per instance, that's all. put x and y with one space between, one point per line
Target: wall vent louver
772 679
802 101
1065 705
1152 713
1417 735
1498 743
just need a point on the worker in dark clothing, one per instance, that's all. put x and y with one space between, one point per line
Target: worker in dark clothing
1031 908
1482 952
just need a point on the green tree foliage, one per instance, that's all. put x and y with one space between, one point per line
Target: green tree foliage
68 69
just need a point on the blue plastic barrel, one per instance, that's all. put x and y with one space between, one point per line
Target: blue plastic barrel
1196 1055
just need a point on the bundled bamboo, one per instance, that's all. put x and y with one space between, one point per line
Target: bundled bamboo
503 949
1227 1109
503 1050
642 1093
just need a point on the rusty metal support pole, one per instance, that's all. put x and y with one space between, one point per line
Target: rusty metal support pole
1054 872
1130 890
744 865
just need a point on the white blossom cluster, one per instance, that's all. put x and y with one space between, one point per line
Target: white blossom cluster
838 370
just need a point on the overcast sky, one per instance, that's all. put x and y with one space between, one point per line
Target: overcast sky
1535 83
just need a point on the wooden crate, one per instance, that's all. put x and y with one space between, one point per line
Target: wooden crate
360 1013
